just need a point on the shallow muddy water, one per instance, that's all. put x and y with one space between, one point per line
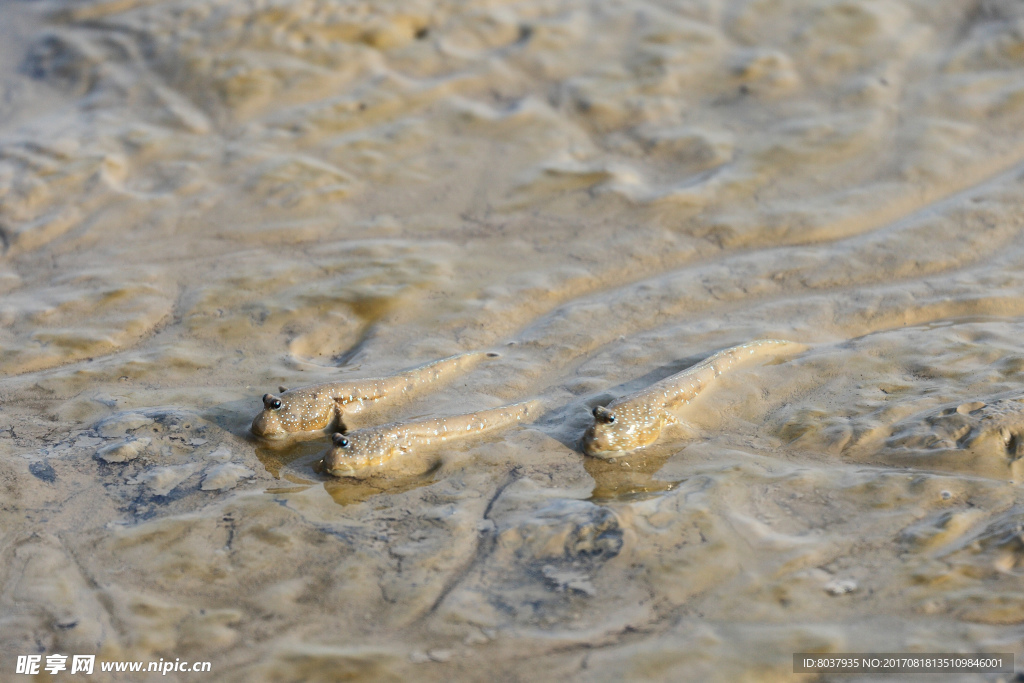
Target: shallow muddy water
201 200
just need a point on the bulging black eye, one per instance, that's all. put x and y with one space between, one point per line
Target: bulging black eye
340 441
610 419
275 404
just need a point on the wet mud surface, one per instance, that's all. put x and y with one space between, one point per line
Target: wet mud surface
203 200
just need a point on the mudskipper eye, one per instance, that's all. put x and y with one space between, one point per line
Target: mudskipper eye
271 402
340 441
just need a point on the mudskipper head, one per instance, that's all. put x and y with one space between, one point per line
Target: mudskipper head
292 413
622 429
350 455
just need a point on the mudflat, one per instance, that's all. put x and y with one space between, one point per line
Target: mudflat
202 200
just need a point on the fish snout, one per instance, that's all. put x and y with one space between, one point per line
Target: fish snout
266 426
595 444
334 458
334 462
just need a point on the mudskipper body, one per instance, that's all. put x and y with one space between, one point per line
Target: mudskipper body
363 453
310 411
636 420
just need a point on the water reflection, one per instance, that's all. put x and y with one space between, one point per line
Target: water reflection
278 457
347 491
632 477
297 463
